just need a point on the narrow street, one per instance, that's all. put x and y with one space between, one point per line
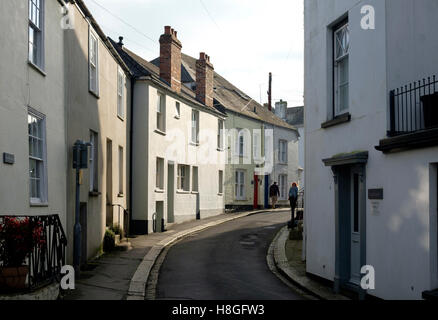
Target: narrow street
226 262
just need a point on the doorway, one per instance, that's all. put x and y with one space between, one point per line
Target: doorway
83 222
170 192
350 225
109 183
159 207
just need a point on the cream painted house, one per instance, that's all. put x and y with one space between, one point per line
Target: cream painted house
177 163
97 111
32 116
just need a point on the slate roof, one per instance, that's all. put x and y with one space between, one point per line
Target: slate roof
295 116
230 98
227 97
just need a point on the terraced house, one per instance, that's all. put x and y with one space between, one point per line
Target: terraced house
178 167
97 101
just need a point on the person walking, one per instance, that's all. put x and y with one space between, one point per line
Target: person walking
293 197
274 192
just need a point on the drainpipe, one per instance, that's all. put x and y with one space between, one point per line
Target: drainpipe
131 134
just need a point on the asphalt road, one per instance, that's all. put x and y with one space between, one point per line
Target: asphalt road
225 262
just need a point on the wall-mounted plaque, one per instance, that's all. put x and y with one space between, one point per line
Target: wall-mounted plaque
8 158
375 194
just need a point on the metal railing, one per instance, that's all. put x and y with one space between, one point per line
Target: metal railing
126 219
46 259
414 107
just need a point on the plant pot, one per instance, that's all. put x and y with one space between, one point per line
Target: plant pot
430 110
13 277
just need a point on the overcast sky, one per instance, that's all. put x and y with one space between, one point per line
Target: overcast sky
246 39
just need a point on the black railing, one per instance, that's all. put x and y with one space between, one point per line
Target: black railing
46 258
414 107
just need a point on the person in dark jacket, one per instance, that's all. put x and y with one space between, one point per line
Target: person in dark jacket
274 192
293 197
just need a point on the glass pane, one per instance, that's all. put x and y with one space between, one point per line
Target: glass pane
32 168
32 187
343 97
343 70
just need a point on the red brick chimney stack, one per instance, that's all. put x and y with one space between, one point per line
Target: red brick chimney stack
204 80
170 58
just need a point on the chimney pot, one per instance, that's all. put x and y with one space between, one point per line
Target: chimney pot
120 43
167 29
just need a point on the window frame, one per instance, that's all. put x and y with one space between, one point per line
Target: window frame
93 36
336 67
282 151
43 187
220 134
240 176
159 172
121 84
183 187
39 34
195 119
283 186
161 112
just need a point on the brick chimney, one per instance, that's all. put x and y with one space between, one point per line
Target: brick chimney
170 58
204 80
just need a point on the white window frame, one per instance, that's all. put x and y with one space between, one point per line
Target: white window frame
36 17
121 83
194 136
220 134
239 185
282 186
341 41
159 170
195 179
282 151
221 182
183 181
93 66
93 161
42 197
161 112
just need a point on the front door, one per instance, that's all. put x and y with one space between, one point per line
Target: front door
170 192
355 230
109 183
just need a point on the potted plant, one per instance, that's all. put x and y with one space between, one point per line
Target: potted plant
18 237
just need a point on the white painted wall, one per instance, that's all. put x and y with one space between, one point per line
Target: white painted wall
398 239
22 86
173 146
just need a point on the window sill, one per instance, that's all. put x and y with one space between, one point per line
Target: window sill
182 192
39 204
195 192
422 139
220 194
33 65
120 195
96 95
220 149
159 190
160 132
94 193
343 118
241 199
177 117
121 118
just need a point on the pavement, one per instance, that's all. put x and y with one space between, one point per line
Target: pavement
287 258
225 262
123 275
